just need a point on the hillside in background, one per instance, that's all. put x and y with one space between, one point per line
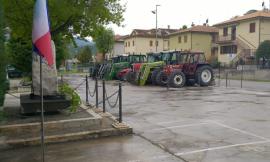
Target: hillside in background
81 42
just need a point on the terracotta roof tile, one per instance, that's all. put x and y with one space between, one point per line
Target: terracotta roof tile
264 13
152 32
198 28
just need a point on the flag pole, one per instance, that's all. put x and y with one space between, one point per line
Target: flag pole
42 111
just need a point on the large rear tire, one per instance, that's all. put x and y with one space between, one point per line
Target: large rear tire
162 78
154 76
177 79
204 75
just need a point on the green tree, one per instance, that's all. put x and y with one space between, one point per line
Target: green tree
263 50
85 55
104 40
184 27
3 81
67 17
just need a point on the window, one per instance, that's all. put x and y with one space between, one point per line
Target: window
225 31
228 49
126 44
185 38
133 43
129 44
252 27
151 43
179 39
157 43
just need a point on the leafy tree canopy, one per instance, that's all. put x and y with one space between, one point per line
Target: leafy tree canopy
104 40
67 18
85 55
263 50
3 85
184 27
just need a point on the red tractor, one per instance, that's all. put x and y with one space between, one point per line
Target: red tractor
186 68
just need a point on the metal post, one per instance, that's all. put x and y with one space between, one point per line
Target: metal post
96 93
42 111
226 79
104 98
156 28
87 89
219 75
120 102
62 79
242 71
156 12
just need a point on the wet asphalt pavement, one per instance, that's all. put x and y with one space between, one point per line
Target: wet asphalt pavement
194 124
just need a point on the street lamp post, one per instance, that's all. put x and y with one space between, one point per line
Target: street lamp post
156 13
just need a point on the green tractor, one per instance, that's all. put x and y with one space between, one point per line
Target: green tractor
122 62
148 71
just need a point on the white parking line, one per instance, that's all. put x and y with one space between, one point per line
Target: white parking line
222 147
169 122
239 130
178 126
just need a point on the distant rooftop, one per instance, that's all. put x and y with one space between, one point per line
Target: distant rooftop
198 28
120 38
161 32
247 16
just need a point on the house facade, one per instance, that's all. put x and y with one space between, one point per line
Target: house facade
240 36
119 45
197 38
143 41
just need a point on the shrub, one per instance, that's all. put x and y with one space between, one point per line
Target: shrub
65 89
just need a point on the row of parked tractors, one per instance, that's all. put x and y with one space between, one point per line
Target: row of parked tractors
174 69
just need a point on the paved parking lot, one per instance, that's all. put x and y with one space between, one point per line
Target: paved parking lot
194 124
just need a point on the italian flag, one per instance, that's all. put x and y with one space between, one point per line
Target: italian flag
41 36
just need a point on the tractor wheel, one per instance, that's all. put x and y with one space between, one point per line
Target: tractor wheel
190 82
130 77
162 78
154 76
177 79
204 75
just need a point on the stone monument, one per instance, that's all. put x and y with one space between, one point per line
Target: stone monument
53 101
50 85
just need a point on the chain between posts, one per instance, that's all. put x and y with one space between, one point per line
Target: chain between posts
105 97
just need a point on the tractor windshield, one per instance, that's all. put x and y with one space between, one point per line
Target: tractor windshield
137 58
183 59
166 57
123 58
153 58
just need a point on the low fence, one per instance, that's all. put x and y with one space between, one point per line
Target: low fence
238 77
105 97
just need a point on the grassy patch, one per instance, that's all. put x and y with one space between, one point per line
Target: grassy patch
65 89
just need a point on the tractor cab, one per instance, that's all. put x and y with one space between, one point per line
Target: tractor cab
136 58
186 68
154 57
121 58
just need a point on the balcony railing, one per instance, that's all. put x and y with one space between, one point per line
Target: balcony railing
226 38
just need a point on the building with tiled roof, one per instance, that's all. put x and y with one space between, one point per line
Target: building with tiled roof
142 41
240 36
119 45
196 38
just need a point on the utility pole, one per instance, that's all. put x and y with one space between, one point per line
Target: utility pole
156 13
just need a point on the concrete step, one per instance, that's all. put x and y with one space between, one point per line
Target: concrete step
12 143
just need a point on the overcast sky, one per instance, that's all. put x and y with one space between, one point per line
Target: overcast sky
180 12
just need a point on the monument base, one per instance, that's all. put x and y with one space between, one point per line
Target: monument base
31 103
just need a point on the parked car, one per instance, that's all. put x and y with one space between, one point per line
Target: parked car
12 72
